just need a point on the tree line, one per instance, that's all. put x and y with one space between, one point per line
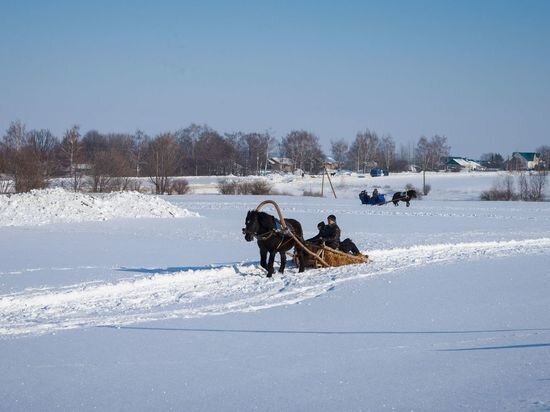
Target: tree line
105 162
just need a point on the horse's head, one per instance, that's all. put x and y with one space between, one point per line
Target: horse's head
411 193
251 225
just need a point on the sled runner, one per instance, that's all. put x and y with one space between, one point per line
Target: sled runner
314 255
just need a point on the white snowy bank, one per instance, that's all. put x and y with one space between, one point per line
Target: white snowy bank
40 207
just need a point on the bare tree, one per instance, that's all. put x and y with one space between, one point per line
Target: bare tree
423 153
430 153
110 160
12 142
162 161
71 152
363 150
338 149
94 148
387 151
403 159
253 151
261 142
537 185
503 189
544 151
440 149
531 185
44 143
187 140
140 143
215 155
492 160
523 186
304 150
30 173
15 135
22 160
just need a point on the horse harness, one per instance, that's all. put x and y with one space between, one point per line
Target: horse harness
278 231
404 196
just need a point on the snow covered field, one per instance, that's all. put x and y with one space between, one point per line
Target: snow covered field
446 186
133 302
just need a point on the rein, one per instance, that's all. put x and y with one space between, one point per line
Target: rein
280 230
264 236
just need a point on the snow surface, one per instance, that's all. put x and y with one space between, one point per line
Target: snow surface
444 186
452 313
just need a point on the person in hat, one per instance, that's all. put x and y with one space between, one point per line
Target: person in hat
329 233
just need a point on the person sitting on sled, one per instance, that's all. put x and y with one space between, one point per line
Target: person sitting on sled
364 197
329 233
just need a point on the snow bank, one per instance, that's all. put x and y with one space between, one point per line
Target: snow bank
40 207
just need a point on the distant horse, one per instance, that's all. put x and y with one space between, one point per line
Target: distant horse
404 196
272 238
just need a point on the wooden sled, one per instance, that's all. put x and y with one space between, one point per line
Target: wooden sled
317 256
332 257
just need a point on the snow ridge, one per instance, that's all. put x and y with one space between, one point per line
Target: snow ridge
39 207
219 290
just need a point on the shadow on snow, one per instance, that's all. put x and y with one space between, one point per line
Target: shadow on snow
324 332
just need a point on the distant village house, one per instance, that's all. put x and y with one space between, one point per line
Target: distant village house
281 164
331 165
458 164
526 160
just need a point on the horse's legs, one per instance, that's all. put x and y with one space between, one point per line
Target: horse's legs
283 262
408 203
270 264
263 258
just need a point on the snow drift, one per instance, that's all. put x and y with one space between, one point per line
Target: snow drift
40 207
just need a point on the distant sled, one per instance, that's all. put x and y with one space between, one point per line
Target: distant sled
377 200
380 199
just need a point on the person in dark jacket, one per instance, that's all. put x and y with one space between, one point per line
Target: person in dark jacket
329 233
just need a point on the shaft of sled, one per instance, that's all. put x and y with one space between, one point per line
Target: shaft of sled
276 206
283 224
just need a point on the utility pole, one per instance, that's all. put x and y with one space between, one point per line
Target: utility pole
328 177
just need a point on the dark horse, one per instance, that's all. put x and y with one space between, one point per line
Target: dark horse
273 239
404 196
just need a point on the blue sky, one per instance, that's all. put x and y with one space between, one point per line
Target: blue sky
476 72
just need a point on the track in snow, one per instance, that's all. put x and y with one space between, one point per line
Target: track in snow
219 290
